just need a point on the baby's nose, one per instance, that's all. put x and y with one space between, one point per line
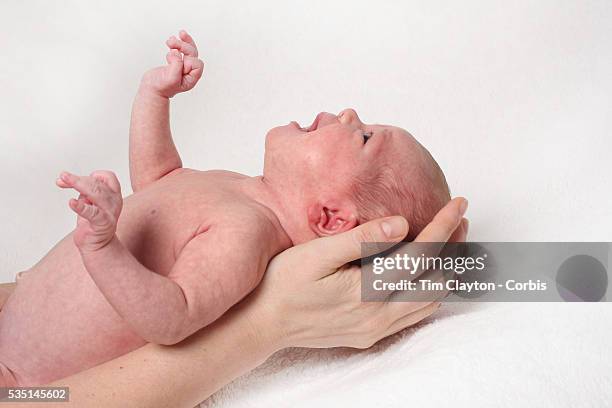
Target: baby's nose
348 117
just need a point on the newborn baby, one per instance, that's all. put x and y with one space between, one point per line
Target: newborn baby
189 244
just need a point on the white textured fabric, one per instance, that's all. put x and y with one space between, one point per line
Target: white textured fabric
468 355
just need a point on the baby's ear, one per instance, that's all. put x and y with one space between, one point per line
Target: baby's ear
331 218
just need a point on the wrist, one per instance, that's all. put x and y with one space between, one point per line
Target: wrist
102 250
263 326
149 91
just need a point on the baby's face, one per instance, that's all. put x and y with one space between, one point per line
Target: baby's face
332 152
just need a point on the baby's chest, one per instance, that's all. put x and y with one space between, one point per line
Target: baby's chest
157 232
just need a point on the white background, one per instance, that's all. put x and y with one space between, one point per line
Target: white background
512 98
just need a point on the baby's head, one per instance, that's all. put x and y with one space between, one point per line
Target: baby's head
340 172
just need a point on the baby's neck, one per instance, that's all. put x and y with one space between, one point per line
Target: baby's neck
257 189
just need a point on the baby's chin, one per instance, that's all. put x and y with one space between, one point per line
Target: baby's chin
276 131
273 133
281 135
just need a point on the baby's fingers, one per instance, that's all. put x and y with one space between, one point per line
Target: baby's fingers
94 189
182 46
193 67
175 66
183 35
174 57
61 183
88 211
109 178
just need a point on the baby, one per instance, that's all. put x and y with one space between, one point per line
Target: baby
187 245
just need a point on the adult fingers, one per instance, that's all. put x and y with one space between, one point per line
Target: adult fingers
454 249
460 233
330 253
412 318
424 249
448 224
430 286
434 236
445 222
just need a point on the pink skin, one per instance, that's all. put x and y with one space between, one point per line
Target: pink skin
316 166
161 264
98 207
184 68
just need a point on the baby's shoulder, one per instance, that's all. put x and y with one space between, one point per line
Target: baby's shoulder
244 218
247 227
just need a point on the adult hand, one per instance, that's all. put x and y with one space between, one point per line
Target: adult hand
310 297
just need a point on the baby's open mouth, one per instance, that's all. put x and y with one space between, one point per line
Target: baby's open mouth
315 123
313 126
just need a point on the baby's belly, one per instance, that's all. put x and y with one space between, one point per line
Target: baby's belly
58 323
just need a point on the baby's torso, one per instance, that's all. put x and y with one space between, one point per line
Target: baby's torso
57 322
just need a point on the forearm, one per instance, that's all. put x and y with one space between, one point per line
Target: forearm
179 376
153 305
152 150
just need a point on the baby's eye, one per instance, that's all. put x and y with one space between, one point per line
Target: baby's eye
366 136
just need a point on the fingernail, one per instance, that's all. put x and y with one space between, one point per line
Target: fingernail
394 227
64 175
464 206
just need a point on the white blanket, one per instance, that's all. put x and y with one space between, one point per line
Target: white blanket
468 355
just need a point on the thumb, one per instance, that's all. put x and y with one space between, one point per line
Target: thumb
175 65
335 251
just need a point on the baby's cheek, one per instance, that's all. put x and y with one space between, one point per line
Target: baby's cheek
313 161
349 169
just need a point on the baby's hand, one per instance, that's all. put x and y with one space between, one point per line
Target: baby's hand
183 71
98 207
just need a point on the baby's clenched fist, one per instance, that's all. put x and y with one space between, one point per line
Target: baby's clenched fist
183 71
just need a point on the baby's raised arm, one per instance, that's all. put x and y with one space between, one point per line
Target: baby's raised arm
152 151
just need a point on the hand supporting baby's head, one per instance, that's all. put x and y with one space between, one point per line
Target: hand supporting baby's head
340 172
